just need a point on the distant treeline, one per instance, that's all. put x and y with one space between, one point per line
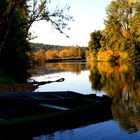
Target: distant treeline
41 52
37 46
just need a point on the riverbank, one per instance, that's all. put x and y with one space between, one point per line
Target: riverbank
66 60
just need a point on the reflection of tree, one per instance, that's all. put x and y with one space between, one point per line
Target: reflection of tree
114 79
75 67
95 78
126 110
122 83
121 110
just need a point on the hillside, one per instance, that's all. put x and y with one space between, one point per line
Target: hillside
37 46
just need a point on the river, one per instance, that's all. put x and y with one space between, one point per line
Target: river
76 78
120 82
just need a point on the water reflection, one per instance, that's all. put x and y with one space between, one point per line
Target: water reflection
75 67
122 83
108 130
49 68
74 73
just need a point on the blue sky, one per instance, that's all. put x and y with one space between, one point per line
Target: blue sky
89 15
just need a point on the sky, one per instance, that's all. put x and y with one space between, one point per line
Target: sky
88 16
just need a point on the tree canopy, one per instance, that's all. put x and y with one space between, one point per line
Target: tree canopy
122 24
122 32
94 43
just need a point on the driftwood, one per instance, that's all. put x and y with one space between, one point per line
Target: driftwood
26 87
36 83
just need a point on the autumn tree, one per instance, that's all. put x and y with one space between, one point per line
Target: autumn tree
122 26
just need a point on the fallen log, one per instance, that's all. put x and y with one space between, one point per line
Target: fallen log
45 82
26 87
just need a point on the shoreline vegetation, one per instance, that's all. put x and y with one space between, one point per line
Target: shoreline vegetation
42 53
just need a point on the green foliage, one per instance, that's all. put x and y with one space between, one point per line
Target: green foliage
94 43
120 31
81 53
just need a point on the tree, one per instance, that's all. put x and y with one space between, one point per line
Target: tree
13 39
33 10
16 18
94 43
39 10
121 26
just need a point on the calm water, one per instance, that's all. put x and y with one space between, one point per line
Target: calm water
121 82
76 77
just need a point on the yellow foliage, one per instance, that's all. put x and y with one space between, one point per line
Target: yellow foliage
105 67
64 54
38 56
105 55
68 52
89 58
125 33
109 55
123 55
51 54
130 2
